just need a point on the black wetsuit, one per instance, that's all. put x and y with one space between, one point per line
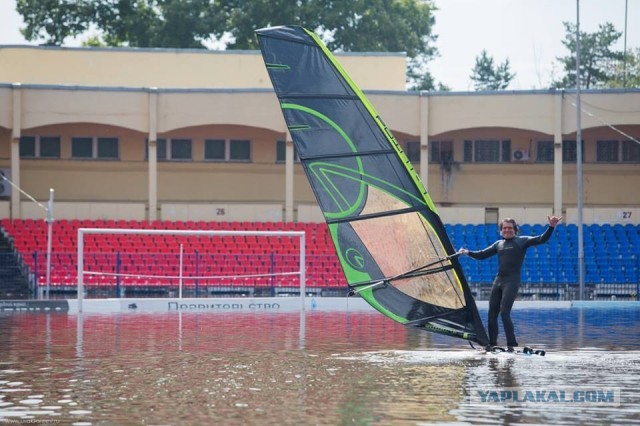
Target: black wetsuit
507 282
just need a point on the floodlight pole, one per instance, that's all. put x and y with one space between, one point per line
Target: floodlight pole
579 157
624 59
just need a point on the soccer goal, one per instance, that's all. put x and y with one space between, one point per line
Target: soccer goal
193 263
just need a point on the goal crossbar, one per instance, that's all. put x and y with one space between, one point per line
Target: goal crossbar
181 232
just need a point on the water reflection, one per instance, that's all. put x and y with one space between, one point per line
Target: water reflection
318 368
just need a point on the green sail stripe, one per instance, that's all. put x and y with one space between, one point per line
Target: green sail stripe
347 139
298 127
332 192
278 66
368 296
331 168
354 275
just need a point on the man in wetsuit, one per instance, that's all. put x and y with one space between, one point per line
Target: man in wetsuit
511 251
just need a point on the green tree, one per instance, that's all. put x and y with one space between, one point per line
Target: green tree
52 21
136 23
358 25
626 73
488 76
598 58
158 23
388 26
243 17
355 26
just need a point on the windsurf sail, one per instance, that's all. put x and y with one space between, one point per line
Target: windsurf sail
390 241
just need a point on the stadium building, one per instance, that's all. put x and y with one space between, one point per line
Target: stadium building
198 135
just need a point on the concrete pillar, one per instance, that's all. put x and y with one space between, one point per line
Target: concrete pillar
16 129
153 154
288 178
557 156
423 110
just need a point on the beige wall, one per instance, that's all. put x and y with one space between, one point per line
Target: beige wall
257 109
600 110
44 107
512 110
98 113
222 212
400 111
175 68
6 108
86 210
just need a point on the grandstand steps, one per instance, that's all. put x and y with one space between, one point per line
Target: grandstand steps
13 285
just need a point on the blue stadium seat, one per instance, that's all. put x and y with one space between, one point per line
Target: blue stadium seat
612 253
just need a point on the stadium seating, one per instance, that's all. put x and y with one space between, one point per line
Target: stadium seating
611 254
134 260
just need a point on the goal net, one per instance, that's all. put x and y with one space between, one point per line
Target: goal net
189 263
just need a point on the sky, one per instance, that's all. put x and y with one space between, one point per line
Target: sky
527 32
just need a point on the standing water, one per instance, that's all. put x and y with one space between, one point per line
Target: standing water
314 368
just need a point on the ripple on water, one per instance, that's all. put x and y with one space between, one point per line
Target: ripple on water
80 412
31 401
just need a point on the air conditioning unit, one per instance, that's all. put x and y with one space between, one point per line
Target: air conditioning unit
5 187
520 155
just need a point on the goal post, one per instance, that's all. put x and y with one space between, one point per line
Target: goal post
83 232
